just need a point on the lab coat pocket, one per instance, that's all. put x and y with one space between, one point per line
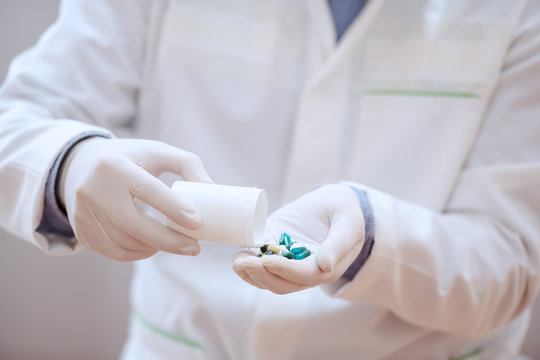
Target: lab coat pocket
147 342
222 37
422 88
412 144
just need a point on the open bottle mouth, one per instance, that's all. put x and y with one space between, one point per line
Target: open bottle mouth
259 219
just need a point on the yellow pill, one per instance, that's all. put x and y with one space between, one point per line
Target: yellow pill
263 256
274 248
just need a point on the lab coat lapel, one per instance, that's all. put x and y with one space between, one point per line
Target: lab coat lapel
316 142
323 25
325 31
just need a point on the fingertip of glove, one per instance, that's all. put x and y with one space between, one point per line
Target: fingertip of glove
239 266
202 176
248 264
236 266
325 264
208 180
192 219
275 262
191 250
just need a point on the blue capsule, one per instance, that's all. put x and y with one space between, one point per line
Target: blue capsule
287 248
288 255
297 250
285 240
303 254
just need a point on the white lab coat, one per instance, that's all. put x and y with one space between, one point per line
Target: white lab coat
434 104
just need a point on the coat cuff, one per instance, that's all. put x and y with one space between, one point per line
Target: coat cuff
54 224
369 237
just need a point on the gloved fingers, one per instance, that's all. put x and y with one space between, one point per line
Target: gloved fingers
129 242
103 244
252 267
120 254
155 193
273 283
240 270
133 255
138 224
303 272
167 158
342 240
243 255
244 275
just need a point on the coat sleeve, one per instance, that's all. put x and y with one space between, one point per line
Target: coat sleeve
81 77
473 268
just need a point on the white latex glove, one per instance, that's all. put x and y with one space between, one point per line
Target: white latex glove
100 180
328 221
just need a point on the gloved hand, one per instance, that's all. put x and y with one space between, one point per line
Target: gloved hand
100 180
328 221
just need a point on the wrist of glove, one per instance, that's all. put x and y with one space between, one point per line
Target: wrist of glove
99 183
328 221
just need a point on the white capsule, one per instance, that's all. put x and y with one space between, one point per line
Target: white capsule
274 248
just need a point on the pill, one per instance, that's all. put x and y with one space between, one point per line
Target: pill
285 240
303 254
298 250
288 255
287 247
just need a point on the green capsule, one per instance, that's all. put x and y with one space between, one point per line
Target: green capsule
269 252
288 255
303 254
259 255
285 240
298 250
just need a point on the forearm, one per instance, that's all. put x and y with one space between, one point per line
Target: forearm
30 143
54 224
462 272
85 69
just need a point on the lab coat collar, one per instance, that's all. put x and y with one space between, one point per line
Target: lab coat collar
335 53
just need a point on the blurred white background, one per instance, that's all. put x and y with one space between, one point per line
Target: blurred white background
51 307
70 307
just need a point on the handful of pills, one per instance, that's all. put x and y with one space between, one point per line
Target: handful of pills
286 248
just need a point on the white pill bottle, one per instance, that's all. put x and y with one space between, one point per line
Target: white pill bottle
232 215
